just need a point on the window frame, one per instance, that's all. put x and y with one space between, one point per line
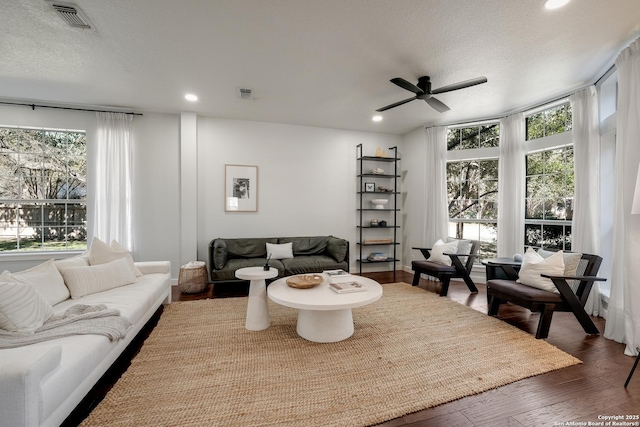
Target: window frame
42 204
473 154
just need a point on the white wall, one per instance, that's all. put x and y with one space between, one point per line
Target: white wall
413 162
306 180
156 189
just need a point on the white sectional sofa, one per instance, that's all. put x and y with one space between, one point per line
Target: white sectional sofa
42 383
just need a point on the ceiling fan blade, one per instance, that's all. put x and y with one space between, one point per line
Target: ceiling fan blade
437 105
406 85
380 110
460 85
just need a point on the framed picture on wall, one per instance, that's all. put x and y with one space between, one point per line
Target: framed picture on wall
240 188
369 186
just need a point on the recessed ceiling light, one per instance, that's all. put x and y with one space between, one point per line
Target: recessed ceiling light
555 4
190 97
376 118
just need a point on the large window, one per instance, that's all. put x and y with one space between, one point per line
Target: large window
472 185
42 189
549 203
549 179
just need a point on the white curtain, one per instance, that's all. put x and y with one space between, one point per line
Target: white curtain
586 203
112 210
511 186
623 317
436 219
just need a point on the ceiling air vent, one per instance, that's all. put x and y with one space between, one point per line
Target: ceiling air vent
245 93
71 14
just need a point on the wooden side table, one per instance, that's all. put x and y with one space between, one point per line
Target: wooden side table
257 308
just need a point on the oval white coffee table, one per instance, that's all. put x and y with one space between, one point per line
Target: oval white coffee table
324 315
257 308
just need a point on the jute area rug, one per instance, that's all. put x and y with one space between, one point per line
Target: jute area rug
411 350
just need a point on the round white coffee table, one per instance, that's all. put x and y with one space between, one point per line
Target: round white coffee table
257 308
324 315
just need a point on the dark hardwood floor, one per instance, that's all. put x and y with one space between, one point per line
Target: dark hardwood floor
578 394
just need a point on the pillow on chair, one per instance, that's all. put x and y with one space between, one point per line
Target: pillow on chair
437 253
533 265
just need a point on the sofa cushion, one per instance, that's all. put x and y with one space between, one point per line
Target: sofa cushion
306 245
219 253
83 281
311 264
533 265
523 292
76 261
248 248
279 251
337 248
101 253
47 280
22 307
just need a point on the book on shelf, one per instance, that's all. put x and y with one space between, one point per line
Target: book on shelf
337 276
347 287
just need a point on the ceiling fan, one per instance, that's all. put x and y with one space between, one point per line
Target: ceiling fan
423 91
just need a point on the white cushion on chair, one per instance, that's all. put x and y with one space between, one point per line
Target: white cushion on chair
439 249
533 265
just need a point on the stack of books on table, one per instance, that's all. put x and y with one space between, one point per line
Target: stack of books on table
342 282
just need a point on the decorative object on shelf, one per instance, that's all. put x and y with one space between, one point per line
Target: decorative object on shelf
377 171
370 187
382 188
377 256
241 188
373 223
517 258
379 203
378 152
382 223
377 241
305 281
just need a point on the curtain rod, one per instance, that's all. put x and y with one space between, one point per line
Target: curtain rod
33 107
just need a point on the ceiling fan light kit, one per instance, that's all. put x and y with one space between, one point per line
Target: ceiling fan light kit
423 91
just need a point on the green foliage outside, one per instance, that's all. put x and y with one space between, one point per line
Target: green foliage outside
42 189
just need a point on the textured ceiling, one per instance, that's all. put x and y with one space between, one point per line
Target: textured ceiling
311 62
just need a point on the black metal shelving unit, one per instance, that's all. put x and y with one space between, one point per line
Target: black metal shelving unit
366 163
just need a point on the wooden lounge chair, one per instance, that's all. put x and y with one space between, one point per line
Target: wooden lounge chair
570 298
460 268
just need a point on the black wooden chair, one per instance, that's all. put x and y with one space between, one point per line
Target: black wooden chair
571 297
460 268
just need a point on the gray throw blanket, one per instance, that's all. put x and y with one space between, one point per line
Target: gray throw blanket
78 319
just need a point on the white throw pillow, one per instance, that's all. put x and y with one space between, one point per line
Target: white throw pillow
97 278
533 265
22 308
439 249
101 253
46 279
76 261
280 251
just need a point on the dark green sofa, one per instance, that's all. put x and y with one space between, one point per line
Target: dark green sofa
310 255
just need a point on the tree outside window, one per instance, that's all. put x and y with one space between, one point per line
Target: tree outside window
472 192
549 199
42 189
549 122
